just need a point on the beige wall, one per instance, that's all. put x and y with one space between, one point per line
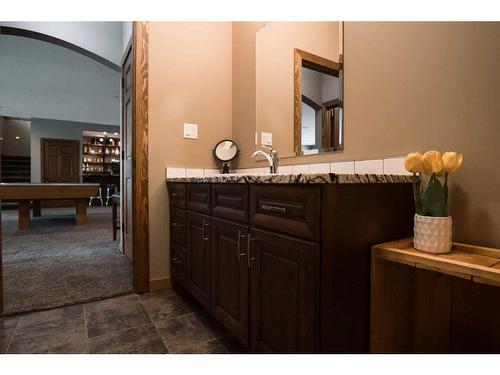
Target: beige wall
420 86
408 86
189 81
244 88
274 73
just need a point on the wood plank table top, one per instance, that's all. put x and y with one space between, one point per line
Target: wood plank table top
19 191
475 263
24 193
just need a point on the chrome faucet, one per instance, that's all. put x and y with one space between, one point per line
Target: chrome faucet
272 158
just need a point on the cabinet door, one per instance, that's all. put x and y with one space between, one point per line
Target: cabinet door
230 277
283 282
178 263
198 257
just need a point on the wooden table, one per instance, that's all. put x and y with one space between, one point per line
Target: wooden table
25 193
429 303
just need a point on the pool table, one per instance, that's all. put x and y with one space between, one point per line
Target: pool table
24 193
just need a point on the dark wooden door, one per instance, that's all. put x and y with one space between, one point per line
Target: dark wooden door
198 257
60 160
283 277
229 277
127 154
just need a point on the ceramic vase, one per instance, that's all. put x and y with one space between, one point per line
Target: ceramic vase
432 234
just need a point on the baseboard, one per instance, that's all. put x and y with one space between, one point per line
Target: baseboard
159 284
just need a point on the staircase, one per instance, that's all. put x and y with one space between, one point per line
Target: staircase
14 169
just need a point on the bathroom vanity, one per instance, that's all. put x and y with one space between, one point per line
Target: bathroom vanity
283 261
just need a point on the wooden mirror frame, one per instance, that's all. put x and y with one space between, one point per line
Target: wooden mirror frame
303 59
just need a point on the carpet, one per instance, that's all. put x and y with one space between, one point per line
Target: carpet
57 263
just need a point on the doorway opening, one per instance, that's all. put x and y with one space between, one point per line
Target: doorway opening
51 257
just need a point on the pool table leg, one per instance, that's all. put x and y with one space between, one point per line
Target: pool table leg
37 211
24 214
81 211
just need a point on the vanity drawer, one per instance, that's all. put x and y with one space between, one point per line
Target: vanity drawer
198 198
177 194
178 263
230 201
288 209
178 225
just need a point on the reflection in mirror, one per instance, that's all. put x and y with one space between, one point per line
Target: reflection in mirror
278 108
318 104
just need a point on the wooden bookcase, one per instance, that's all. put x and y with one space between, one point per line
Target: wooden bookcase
101 157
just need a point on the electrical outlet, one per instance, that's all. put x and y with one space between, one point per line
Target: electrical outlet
190 131
266 139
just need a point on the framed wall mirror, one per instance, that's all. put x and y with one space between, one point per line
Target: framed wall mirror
299 87
318 120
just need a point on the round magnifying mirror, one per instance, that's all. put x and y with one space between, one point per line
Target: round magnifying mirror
225 151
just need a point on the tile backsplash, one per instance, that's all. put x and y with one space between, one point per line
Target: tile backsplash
391 165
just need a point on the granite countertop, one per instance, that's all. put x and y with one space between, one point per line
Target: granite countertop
305 178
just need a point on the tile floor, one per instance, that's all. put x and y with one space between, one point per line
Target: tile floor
158 322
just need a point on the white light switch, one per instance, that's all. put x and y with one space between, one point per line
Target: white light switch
266 139
190 131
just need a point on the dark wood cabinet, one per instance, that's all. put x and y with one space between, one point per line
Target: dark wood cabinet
289 209
178 225
198 198
284 284
198 257
230 283
178 263
285 267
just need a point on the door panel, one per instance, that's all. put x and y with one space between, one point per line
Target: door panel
229 276
60 160
127 156
178 263
198 247
283 293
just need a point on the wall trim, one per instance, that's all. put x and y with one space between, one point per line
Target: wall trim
160 284
140 221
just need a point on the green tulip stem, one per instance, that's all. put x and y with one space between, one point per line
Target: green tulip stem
445 187
416 193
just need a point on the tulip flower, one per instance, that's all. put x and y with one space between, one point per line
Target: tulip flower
451 161
414 162
433 163
432 199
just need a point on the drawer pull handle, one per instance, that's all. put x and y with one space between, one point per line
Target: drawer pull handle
267 207
173 195
203 225
176 260
240 254
249 240
177 225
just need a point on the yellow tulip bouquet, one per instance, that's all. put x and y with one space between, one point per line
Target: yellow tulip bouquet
433 199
